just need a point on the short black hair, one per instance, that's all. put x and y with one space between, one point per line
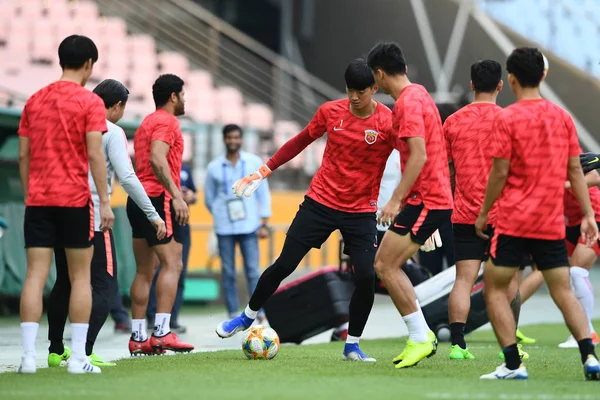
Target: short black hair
164 86
111 92
358 75
232 128
75 50
527 65
485 75
389 57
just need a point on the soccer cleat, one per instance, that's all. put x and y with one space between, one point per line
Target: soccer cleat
591 369
27 366
458 353
169 342
432 338
54 360
417 351
523 355
524 339
98 362
339 336
141 348
227 329
82 366
504 373
570 343
352 352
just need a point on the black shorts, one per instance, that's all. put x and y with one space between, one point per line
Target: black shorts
419 221
104 260
68 227
314 222
511 251
469 246
141 228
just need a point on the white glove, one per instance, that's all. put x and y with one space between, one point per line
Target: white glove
433 242
248 184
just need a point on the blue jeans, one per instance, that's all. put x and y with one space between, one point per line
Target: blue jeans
151 311
249 247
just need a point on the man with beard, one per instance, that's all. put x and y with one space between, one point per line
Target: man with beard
158 145
237 220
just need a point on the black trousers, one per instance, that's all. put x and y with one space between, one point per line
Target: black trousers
104 286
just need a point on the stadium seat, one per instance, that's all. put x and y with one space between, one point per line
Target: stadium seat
258 116
171 62
144 63
233 114
60 10
44 48
44 27
228 96
201 105
141 44
64 28
18 52
31 10
199 80
140 84
19 29
115 27
85 10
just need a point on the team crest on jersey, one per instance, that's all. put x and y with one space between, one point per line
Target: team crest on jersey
371 136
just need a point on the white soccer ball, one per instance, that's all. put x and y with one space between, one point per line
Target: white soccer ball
261 343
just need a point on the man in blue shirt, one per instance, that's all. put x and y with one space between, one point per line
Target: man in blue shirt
236 220
188 189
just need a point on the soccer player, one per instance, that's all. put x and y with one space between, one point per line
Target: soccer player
589 161
342 195
468 142
104 261
158 146
530 214
421 203
60 132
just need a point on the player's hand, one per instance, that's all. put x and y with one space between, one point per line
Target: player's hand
589 161
107 218
189 196
589 230
433 242
480 226
161 228
389 212
182 212
248 184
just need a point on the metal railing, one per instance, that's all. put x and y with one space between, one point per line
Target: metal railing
230 55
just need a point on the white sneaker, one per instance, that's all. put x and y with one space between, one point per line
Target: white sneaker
570 343
504 373
83 366
27 365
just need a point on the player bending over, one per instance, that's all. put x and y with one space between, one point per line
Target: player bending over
421 203
59 134
158 146
342 195
530 213
104 261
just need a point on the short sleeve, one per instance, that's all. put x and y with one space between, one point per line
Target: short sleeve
318 124
446 129
96 115
502 142
574 148
24 123
411 123
164 130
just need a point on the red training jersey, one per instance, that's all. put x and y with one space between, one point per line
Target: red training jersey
56 120
164 126
573 208
354 159
416 115
537 137
468 141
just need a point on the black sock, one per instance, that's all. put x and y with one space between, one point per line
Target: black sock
586 347
361 304
56 346
511 357
457 333
89 348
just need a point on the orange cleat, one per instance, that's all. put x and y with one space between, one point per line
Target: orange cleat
169 342
142 348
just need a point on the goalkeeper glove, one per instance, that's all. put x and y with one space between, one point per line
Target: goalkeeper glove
589 161
433 242
248 184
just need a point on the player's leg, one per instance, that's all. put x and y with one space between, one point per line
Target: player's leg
310 228
531 284
551 258
250 254
513 295
58 310
186 237
469 251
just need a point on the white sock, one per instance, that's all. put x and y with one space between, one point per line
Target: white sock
342 327
28 336
78 339
162 324
250 313
423 321
138 329
583 291
416 330
352 339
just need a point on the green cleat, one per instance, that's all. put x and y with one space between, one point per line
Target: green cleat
54 359
98 362
522 354
524 339
457 353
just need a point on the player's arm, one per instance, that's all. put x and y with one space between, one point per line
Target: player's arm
592 179
119 158
98 167
582 194
496 182
589 161
158 160
210 189
452 175
24 164
263 195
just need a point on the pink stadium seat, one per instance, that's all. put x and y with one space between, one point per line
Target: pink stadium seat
119 74
138 109
140 84
199 80
144 63
20 28
115 27
231 115
19 51
31 10
141 44
44 27
44 48
91 28
116 54
201 105
59 10
64 28
188 147
85 10
229 96
174 63
259 116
